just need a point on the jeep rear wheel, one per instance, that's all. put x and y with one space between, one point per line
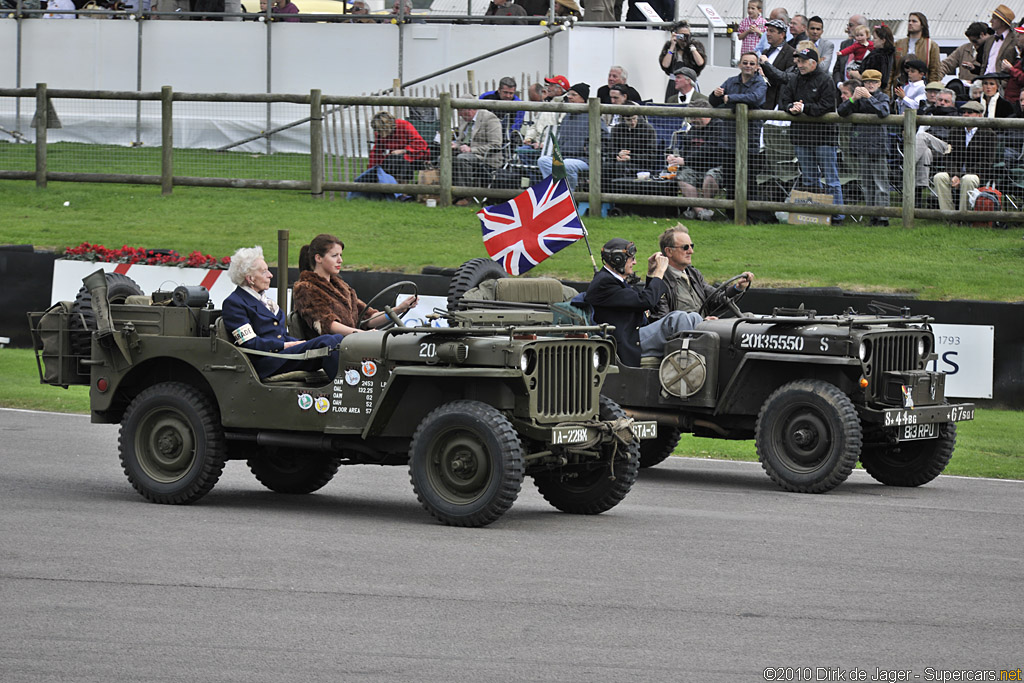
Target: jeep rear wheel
172 444
598 485
653 451
911 463
466 463
290 470
808 436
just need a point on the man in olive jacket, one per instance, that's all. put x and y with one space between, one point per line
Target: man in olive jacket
812 93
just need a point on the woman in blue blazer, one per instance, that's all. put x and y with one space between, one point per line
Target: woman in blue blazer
256 322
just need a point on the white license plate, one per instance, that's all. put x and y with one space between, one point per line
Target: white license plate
915 432
645 430
561 436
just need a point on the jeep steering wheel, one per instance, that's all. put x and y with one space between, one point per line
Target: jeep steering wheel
730 302
393 318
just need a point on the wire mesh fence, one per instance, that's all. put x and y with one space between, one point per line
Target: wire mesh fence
694 161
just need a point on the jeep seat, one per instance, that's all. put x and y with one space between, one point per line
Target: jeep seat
533 290
292 378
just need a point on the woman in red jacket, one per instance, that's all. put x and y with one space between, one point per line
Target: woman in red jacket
397 147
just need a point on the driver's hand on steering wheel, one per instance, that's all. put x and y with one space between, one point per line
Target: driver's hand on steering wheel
748 278
406 305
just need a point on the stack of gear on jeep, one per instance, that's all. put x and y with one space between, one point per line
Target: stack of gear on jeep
816 393
472 408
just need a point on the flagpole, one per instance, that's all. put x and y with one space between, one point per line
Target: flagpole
558 173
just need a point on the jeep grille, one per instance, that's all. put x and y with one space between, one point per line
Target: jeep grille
894 351
565 388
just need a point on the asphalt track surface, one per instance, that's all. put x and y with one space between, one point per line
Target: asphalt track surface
706 572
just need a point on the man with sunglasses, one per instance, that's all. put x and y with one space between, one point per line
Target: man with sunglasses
686 288
617 299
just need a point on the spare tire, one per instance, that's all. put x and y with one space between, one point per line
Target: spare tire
469 275
119 288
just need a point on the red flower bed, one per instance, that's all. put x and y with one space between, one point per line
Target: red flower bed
149 257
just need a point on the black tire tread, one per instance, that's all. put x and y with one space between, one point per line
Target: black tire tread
119 287
850 423
317 472
215 447
511 452
605 493
656 450
469 275
926 459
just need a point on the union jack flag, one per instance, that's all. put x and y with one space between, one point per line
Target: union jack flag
525 230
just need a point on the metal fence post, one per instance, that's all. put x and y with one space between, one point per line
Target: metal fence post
41 111
316 144
741 137
909 166
166 140
445 159
594 116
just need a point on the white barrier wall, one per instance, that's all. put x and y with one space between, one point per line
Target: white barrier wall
338 59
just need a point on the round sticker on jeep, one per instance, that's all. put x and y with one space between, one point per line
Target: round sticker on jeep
369 368
305 401
322 404
352 377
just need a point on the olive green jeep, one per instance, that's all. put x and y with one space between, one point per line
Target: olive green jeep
817 393
471 408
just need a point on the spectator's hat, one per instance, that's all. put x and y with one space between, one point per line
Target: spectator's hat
558 80
916 65
995 75
686 71
973 105
777 23
808 53
581 89
935 85
1004 13
871 75
570 5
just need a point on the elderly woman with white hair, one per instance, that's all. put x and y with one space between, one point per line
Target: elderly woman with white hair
256 322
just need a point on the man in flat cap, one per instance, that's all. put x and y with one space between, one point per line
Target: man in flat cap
813 94
1000 45
971 161
686 88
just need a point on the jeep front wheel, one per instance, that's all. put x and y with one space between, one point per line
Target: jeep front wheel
653 451
172 444
289 470
599 485
911 463
466 463
808 436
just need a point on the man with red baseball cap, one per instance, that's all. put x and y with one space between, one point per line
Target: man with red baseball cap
557 85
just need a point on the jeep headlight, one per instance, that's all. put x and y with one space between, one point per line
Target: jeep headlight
922 347
600 358
864 352
528 361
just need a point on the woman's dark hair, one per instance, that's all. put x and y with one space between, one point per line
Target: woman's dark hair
320 245
885 33
924 23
